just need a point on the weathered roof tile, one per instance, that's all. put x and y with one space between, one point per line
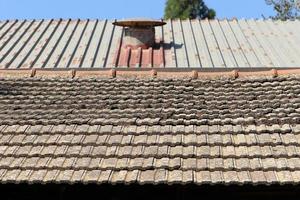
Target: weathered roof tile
132 176
92 176
76 175
216 137
271 177
175 176
51 175
216 177
11 175
231 177
285 177
160 176
65 176
244 177
147 176
118 176
24 176
258 177
296 176
202 177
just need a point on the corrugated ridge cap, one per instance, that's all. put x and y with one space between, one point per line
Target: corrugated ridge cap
146 73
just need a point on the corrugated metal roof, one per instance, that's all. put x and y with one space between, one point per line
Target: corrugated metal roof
182 44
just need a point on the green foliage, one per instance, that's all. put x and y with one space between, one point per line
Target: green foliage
285 9
188 9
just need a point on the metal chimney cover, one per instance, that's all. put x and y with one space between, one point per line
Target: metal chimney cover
139 22
139 33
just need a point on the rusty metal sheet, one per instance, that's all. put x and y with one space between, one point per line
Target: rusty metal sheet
263 41
94 44
56 55
200 42
18 45
8 34
44 57
169 48
179 44
272 41
113 47
6 27
192 50
213 46
78 52
29 60
85 42
101 56
286 39
255 44
225 50
233 45
244 44
67 58
30 45
12 41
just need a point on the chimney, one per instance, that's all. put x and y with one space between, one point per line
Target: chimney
139 33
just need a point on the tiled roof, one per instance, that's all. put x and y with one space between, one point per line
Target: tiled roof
200 44
105 130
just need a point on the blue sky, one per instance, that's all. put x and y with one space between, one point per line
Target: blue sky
117 9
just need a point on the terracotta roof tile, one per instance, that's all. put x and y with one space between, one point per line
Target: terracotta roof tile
217 131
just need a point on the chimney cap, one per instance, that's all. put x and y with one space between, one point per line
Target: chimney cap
139 22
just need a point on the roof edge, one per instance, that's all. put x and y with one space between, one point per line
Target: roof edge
113 19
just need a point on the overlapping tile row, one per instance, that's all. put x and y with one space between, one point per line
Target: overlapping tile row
214 131
201 44
169 154
37 101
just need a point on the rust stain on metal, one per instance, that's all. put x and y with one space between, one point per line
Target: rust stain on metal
167 47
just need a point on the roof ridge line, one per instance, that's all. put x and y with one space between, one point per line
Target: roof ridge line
148 73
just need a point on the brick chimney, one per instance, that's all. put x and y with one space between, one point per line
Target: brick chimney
139 33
